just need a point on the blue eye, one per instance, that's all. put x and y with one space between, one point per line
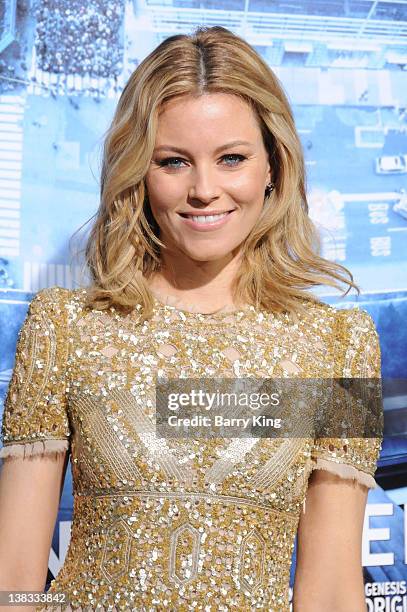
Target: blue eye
169 161
239 158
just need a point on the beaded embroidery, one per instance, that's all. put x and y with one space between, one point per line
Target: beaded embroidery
186 524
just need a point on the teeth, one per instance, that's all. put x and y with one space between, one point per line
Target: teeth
207 218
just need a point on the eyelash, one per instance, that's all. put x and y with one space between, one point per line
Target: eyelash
165 162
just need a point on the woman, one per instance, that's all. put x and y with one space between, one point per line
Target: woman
201 255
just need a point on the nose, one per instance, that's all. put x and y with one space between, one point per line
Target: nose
203 186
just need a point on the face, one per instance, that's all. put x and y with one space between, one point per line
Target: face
198 166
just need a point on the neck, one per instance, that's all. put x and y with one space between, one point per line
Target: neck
206 300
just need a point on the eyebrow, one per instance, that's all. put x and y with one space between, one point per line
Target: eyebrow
233 143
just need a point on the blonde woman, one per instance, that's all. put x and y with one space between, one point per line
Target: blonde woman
201 255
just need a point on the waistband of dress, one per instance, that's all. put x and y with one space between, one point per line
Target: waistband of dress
217 498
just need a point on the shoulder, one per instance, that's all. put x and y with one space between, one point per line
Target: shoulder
349 318
315 316
50 298
52 318
357 343
344 328
355 324
57 303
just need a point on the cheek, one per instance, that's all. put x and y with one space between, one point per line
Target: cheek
247 187
164 192
162 209
250 196
160 197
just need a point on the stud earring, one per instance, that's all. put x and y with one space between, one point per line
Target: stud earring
269 188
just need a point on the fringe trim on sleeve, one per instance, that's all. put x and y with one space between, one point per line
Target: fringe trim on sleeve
29 449
345 470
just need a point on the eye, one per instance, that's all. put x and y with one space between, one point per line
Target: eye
239 158
170 161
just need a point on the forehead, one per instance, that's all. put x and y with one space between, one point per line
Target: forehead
206 100
211 117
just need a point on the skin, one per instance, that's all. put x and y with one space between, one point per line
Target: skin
198 267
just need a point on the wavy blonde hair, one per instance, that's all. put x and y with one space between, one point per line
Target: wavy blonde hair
279 257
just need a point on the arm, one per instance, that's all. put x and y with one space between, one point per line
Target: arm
329 572
36 433
30 492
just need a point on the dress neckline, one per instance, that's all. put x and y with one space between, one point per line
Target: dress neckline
217 315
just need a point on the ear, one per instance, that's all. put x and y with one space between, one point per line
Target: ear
270 178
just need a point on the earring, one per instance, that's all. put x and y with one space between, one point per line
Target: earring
269 189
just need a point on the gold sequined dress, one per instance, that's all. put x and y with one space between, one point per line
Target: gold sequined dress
177 524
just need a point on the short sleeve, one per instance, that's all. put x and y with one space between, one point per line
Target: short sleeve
357 355
35 419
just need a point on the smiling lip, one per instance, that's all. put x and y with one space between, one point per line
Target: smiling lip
205 227
205 213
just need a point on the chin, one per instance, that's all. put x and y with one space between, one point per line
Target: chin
210 256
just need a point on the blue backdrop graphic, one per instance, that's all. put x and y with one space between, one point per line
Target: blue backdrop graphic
343 65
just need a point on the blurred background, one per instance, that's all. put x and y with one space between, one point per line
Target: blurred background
343 64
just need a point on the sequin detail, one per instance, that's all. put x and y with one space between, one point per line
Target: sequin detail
177 524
